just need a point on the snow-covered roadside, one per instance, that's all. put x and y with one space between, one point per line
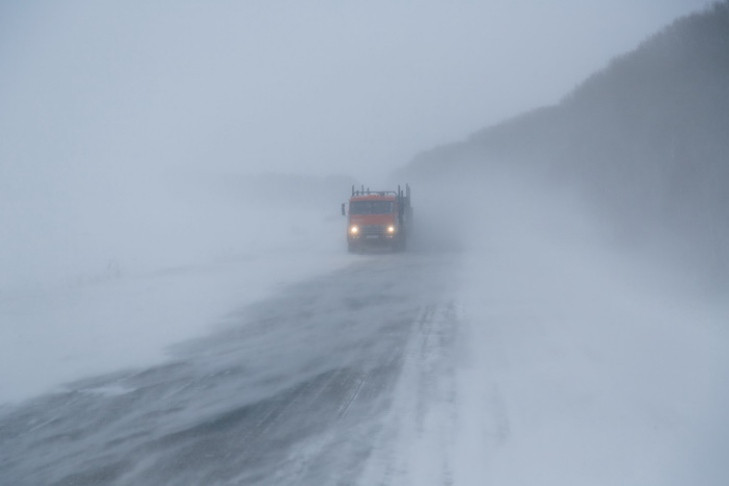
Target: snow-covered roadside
588 380
53 334
583 368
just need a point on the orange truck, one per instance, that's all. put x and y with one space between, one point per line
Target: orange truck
378 219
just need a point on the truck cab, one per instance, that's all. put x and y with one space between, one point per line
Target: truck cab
378 219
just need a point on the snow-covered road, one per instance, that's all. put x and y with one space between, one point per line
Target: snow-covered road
290 391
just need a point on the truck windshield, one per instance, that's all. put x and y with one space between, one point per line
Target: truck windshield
370 207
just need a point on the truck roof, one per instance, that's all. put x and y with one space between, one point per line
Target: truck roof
374 196
399 196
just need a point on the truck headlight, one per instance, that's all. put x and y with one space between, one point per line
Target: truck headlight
354 230
391 230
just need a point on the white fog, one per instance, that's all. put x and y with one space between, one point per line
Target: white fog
178 305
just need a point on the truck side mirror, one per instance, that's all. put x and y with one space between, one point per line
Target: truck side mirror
344 212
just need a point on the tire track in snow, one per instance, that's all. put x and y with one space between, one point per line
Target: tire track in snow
445 423
413 447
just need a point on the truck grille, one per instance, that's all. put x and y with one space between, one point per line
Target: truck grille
373 229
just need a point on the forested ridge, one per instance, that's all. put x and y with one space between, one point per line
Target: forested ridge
645 140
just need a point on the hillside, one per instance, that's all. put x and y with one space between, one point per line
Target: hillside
645 141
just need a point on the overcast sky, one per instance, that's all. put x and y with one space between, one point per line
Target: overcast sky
307 87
